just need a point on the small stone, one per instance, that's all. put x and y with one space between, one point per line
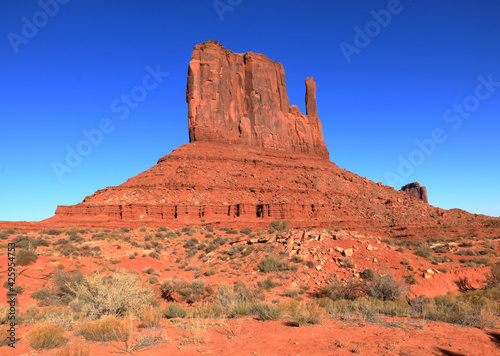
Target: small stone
339 249
369 248
318 267
348 253
375 260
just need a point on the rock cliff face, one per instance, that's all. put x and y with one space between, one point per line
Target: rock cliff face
415 190
242 99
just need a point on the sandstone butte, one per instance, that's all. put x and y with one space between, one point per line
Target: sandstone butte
252 158
415 190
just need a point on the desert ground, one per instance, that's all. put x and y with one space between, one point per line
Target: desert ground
227 291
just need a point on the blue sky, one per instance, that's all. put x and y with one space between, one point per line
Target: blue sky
407 90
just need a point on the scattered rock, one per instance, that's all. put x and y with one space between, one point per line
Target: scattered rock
348 252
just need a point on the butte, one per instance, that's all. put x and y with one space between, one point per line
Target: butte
253 158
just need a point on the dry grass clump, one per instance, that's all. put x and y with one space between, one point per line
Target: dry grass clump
208 310
196 332
150 317
267 311
310 313
74 350
109 328
46 336
272 264
58 315
230 327
175 310
118 294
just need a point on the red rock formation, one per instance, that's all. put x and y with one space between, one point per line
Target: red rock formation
242 99
253 159
415 190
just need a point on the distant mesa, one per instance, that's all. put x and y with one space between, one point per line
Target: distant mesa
415 190
242 99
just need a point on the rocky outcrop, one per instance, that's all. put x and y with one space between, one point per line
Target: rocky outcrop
253 159
415 190
242 99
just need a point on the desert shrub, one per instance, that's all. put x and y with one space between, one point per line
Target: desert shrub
423 251
466 252
53 232
310 313
77 238
493 277
46 336
474 261
209 228
297 259
208 310
210 272
124 229
154 255
349 289
74 350
230 296
271 263
192 242
346 262
58 315
240 310
278 226
385 288
24 242
246 231
267 283
163 228
266 311
174 310
450 309
60 291
109 328
216 243
41 242
117 294
25 257
150 317
4 234
190 292
411 279
61 241
368 274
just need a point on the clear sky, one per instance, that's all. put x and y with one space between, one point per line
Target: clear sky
407 90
